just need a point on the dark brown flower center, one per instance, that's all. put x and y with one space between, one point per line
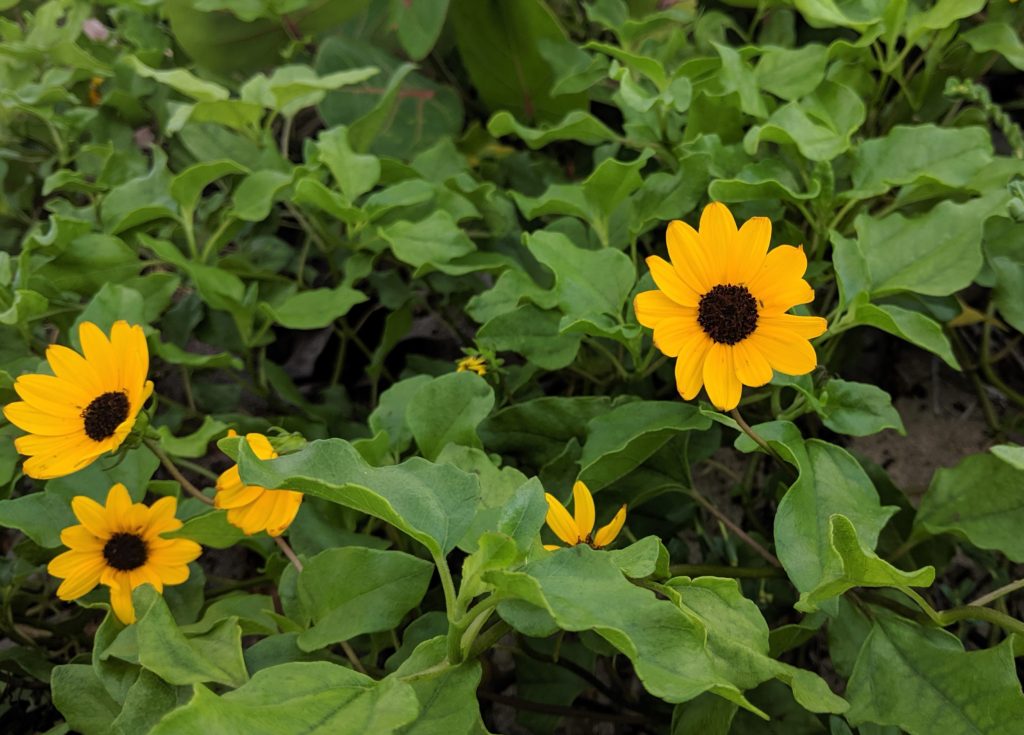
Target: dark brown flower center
125 551
105 414
727 314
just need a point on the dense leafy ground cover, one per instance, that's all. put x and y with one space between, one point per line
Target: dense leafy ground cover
417 254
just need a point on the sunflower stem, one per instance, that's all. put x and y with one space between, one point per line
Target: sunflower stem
740 533
451 604
996 594
173 470
757 438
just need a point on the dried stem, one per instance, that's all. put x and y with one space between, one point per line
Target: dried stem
174 472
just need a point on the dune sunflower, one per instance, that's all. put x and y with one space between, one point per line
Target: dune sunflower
577 528
720 308
120 545
253 508
88 406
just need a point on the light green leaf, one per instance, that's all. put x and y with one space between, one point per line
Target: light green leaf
912 326
436 239
765 179
81 698
851 565
254 197
447 410
913 677
533 333
140 200
1003 255
578 125
210 529
998 37
356 173
38 515
982 499
447 694
791 73
187 186
376 590
195 444
181 80
1010 453
146 702
315 308
857 409
432 503
858 15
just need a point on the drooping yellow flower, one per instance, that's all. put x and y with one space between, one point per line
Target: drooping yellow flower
88 406
720 308
473 363
253 508
577 528
119 545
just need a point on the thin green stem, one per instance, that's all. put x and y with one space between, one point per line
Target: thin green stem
996 594
452 606
723 570
611 358
739 532
985 358
174 472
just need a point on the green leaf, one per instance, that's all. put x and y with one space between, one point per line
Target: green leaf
982 499
1009 453
294 87
432 503
499 46
436 239
195 444
622 439
379 588
214 656
315 698
40 515
140 200
314 309
447 694
791 73
187 187
1004 258
532 332
146 702
578 125
819 125
355 173
419 25
830 482
942 14
912 677
828 13
254 197
851 565
181 80
766 179
998 37
81 698
915 154
912 326
857 409
210 529
447 410
389 415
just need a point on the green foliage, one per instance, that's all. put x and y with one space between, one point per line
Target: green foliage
402 239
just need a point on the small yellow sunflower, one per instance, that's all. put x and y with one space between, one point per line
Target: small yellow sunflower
721 305
577 529
473 363
119 545
88 406
253 508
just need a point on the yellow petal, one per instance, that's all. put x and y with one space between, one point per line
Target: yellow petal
80 538
68 365
690 365
653 306
786 353
688 256
672 335
51 394
287 507
92 515
666 278
172 574
161 518
238 497
559 521
752 368
720 379
718 236
260 446
583 509
553 547
98 353
83 580
606 534
119 506
779 285
807 327
121 600
167 552
229 479
751 247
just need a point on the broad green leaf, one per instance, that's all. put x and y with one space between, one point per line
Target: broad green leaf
912 326
447 694
146 702
419 25
828 13
436 239
830 481
532 332
578 125
586 281
181 80
499 46
819 125
857 409
982 499
316 698
294 87
942 14
706 714
1005 259
738 641
999 37
210 529
255 196
314 309
912 154
195 444
432 503
356 173
447 410
851 565
622 439
766 179
81 698
40 515
187 187
310 192
1010 453
140 200
354 590
214 656
791 73
389 415
913 677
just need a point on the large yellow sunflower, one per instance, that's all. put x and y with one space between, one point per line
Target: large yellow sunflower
119 545
253 508
88 406
578 528
720 308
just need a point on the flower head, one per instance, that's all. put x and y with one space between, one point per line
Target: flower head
721 305
87 407
472 363
253 508
577 529
120 545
